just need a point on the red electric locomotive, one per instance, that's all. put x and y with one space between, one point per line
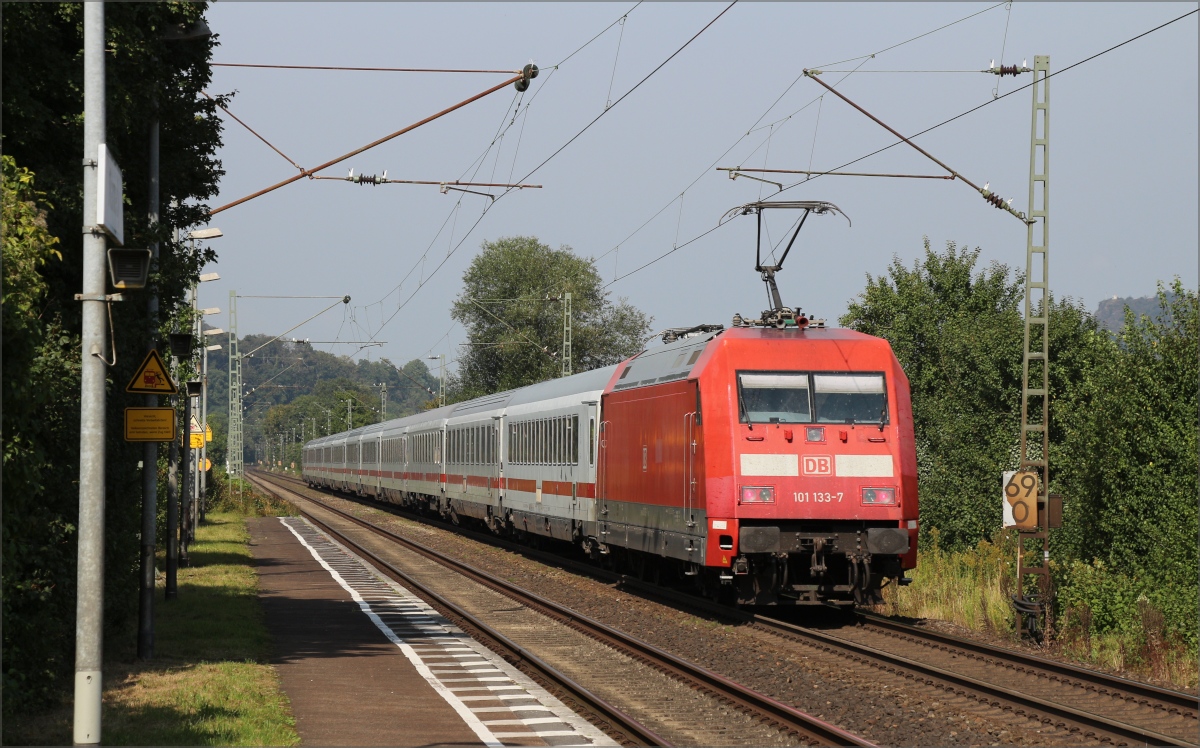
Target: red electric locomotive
779 466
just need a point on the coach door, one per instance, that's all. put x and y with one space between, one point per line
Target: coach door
492 460
379 466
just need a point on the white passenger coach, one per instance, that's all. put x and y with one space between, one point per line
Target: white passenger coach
521 460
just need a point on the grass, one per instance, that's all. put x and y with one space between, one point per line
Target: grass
966 588
971 588
210 682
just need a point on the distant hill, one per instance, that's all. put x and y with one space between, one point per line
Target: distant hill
1111 312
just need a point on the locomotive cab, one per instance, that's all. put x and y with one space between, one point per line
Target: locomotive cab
815 498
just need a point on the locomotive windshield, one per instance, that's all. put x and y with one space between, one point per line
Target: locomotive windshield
850 398
802 397
775 398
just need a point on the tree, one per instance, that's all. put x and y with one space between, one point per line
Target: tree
957 333
1128 457
284 371
510 306
43 134
41 390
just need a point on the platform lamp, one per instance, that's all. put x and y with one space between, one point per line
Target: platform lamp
204 410
212 232
441 358
188 484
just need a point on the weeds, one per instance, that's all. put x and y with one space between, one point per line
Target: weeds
232 494
1099 616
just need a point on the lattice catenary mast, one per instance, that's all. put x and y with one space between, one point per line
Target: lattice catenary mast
234 442
1035 374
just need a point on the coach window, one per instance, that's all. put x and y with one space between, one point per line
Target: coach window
564 451
554 454
562 440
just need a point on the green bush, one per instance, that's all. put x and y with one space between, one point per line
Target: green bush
1127 463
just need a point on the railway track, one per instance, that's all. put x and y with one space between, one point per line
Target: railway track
710 710
1087 704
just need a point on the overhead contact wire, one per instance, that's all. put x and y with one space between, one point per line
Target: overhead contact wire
1000 97
479 160
627 93
560 150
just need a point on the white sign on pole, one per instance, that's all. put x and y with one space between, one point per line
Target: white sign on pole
110 202
1008 515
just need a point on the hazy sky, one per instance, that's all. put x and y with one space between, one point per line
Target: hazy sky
1123 142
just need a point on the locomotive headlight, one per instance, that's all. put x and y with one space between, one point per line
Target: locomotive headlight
879 496
758 495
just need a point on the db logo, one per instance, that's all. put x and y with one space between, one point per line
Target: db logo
818 465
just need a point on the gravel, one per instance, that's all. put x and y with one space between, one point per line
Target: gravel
883 707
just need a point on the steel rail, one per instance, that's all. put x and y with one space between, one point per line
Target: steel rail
1178 699
1032 706
776 711
626 724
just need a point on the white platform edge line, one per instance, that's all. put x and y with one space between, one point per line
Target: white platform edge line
463 711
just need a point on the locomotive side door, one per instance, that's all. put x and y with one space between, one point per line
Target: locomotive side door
602 468
693 458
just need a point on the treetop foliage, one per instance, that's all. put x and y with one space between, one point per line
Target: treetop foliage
284 373
1123 425
511 308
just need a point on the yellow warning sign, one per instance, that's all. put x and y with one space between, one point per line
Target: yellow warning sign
151 377
207 433
149 424
197 440
207 464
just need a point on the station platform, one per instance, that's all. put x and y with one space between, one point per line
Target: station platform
366 662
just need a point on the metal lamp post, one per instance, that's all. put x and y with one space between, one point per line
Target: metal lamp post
441 358
193 487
